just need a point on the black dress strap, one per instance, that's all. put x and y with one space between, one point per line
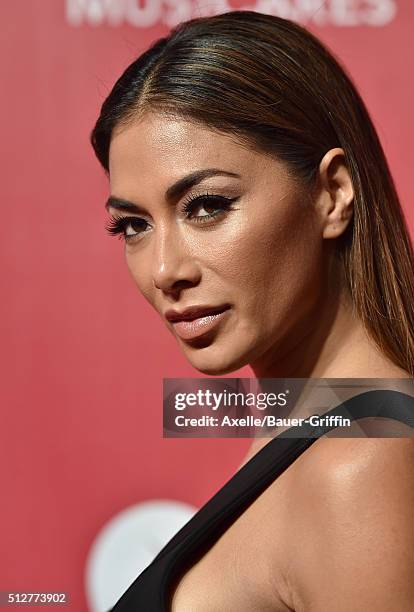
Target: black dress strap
384 403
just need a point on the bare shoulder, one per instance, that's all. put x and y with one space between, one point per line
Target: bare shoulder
343 467
350 528
332 457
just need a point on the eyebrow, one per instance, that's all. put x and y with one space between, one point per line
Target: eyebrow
173 192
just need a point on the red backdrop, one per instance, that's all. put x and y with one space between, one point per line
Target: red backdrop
83 356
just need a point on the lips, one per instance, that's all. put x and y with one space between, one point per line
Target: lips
197 321
194 312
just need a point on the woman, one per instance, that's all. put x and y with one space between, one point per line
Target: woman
252 193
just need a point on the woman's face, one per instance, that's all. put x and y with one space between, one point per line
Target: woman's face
212 224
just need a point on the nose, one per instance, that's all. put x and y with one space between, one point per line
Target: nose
174 266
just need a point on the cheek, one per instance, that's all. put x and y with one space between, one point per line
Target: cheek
293 275
271 259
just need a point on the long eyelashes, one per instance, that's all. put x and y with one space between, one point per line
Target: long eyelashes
219 204
130 227
119 225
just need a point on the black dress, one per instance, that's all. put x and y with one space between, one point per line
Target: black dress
151 590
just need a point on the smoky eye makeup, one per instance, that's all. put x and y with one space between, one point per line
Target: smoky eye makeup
211 206
217 204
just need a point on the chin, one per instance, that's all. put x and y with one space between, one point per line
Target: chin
213 370
215 362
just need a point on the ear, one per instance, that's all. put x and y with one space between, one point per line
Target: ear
334 202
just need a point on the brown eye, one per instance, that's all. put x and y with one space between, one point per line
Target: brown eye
134 226
213 206
127 227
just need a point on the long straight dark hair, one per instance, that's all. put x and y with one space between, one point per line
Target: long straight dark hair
276 87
